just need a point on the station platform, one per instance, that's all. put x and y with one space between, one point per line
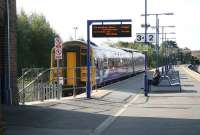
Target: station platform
118 109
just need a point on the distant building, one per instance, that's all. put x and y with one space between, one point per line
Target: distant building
8 86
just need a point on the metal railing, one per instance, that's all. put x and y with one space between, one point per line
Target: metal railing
40 86
39 89
28 75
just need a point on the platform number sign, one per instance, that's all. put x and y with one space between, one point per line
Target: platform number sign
140 37
58 47
151 38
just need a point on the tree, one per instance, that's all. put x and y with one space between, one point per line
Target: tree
23 40
168 52
35 38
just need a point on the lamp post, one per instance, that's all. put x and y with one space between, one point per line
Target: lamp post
145 64
157 31
9 92
169 26
164 35
75 29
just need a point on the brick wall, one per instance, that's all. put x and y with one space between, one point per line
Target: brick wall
4 48
4 54
2 5
13 50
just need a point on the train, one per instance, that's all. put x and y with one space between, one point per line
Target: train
107 64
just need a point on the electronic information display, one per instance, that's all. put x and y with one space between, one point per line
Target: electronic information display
111 30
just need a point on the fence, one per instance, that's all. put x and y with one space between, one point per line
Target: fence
37 85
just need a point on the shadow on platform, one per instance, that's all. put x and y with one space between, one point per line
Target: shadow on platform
154 126
32 120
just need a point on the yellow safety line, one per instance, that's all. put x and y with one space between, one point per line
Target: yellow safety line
193 74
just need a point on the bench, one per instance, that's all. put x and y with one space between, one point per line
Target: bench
172 78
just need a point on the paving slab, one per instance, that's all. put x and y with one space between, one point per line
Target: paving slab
168 113
73 116
117 109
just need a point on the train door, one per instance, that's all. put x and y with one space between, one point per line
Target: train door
71 68
133 62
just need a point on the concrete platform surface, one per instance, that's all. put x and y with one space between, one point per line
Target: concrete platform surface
117 109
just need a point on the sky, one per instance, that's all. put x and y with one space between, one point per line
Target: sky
64 15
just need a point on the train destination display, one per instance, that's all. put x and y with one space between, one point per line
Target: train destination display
111 30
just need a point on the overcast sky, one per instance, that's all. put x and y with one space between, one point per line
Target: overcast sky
63 15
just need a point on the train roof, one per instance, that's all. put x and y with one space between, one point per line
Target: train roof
101 50
129 50
92 44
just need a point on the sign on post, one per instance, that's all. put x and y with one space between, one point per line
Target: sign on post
58 56
140 37
58 48
111 30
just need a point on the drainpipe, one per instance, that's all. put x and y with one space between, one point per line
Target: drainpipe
8 40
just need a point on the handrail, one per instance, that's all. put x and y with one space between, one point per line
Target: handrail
39 75
25 73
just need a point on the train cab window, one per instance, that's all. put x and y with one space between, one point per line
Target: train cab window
83 51
83 60
83 57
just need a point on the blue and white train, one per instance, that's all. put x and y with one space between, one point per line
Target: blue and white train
107 64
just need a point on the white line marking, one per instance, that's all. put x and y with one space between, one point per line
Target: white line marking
111 119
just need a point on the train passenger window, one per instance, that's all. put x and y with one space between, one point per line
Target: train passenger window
105 63
115 62
95 62
118 62
110 62
98 63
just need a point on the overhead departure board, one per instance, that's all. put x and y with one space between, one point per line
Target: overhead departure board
111 30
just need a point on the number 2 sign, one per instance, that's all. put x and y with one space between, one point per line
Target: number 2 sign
140 37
